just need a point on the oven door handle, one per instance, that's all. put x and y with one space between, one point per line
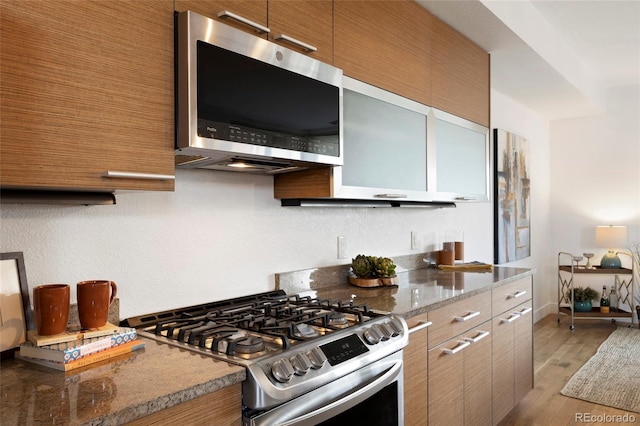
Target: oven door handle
352 399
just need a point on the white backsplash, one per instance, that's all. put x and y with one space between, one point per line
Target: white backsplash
219 235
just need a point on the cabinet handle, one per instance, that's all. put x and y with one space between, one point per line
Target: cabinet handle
514 316
133 175
422 325
467 317
464 198
390 195
517 294
462 344
525 311
481 335
305 46
259 28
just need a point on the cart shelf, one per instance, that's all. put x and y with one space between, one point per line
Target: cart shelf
622 281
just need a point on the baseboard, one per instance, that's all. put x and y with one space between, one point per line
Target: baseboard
548 309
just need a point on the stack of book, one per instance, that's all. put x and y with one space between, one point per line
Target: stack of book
75 349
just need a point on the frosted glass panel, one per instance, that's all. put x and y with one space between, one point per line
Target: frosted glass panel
385 146
461 159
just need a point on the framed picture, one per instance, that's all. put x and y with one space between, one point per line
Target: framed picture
512 218
15 309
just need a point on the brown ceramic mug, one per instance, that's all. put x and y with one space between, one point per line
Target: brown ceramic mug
94 299
51 308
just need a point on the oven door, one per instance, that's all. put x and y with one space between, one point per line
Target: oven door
370 395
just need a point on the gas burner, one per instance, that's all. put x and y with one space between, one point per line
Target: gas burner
305 331
338 319
249 345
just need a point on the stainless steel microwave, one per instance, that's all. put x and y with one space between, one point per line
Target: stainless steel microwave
247 104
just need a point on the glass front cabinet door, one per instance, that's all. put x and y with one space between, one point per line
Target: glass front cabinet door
459 153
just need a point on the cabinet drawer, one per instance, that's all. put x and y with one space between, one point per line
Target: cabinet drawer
510 295
451 320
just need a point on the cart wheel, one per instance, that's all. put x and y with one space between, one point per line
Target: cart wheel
613 320
571 327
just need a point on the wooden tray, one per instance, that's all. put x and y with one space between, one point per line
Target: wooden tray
373 282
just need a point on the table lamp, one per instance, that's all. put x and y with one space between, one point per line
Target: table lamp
611 237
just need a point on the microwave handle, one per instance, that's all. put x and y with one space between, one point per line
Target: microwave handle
259 28
133 175
305 46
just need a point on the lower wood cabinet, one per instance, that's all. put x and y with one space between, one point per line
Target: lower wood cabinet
474 362
512 358
459 378
415 372
220 408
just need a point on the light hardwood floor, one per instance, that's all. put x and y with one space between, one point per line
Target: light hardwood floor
558 354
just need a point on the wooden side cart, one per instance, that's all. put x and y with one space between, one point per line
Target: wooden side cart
569 272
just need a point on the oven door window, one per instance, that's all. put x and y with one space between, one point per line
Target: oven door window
380 409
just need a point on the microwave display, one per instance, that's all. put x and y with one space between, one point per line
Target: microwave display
244 100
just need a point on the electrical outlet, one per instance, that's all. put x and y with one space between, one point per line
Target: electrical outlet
342 247
414 241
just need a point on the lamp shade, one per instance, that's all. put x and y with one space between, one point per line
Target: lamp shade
611 236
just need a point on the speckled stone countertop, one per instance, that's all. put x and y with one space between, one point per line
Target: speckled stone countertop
418 291
112 392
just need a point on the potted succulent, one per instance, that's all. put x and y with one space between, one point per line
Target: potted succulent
372 271
582 297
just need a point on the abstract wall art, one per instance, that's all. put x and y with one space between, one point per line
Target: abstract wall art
512 217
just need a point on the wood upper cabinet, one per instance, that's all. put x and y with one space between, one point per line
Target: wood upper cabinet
252 10
87 87
460 82
386 44
309 22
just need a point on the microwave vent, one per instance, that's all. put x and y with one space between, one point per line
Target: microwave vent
237 164
182 160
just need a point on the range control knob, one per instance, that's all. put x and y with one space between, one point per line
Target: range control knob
301 363
395 325
372 335
282 370
317 358
386 331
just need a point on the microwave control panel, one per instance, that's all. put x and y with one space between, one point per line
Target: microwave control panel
324 145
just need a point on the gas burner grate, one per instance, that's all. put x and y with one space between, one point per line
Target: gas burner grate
278 318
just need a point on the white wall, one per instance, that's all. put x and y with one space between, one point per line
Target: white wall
595 175
513 117
219 235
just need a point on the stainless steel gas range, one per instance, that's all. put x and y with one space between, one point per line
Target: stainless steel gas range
309 361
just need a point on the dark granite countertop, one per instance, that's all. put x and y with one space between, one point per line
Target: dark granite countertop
418 290
111 392
144 382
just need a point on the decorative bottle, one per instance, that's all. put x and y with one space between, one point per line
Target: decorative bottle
604 301
613 299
